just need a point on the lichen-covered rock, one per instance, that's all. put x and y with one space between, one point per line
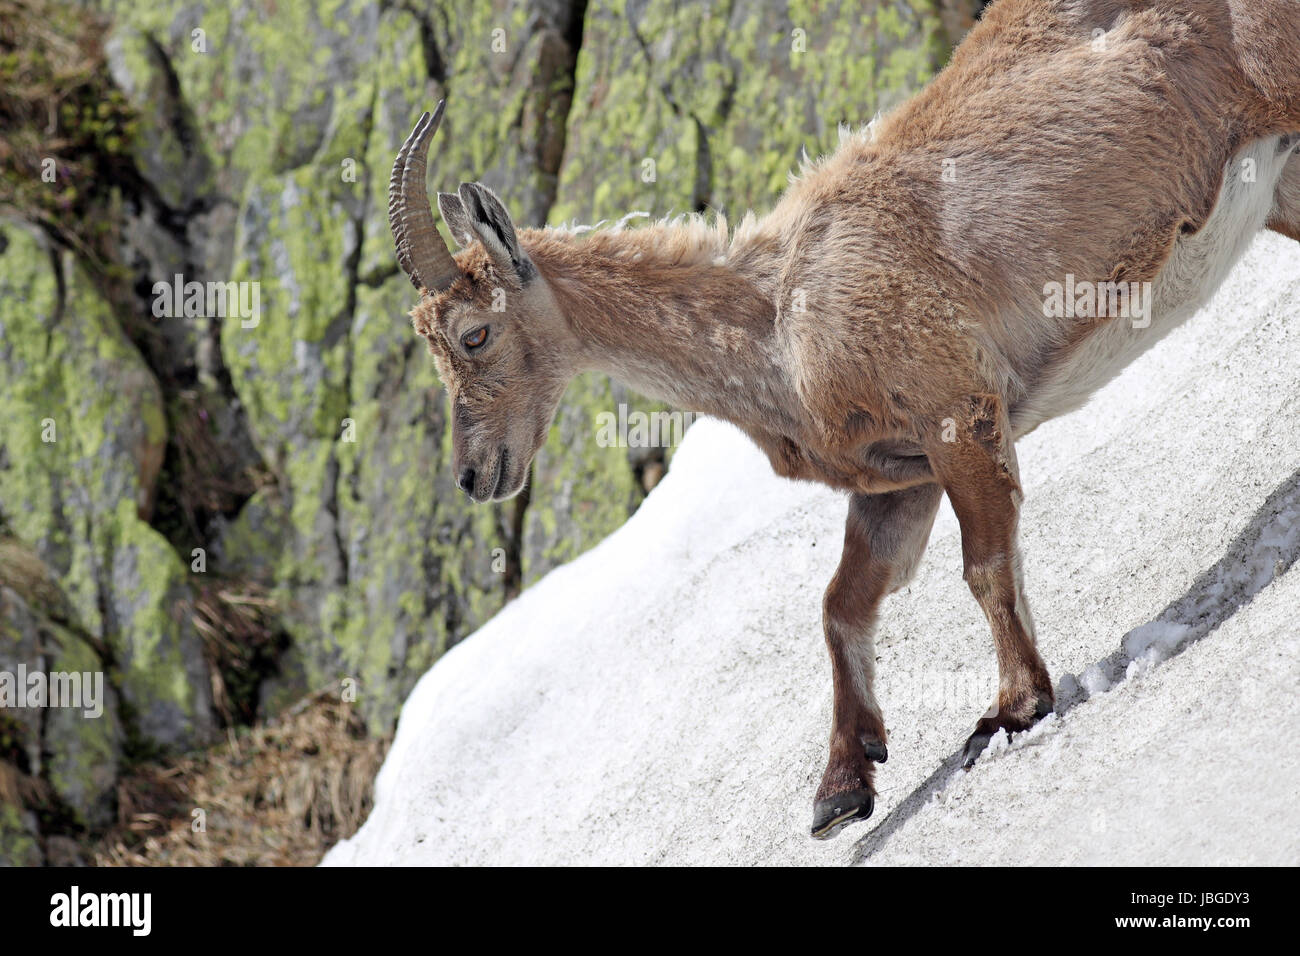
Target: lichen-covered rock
84 751
80 449
683 107
77 750
376 562
21 651
19 843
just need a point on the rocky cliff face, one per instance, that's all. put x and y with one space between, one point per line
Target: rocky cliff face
226 511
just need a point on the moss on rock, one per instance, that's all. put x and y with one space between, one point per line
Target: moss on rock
77 750
80 449
18 843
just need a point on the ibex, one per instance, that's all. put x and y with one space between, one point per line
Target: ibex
889 328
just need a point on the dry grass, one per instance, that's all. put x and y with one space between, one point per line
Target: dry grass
57 103
242 638
20 789
279 794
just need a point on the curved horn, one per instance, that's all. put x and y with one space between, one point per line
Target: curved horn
395 206
420 249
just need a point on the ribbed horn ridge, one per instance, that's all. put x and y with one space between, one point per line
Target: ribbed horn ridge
395 205
420 250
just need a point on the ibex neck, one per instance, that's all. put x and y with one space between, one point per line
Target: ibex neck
659 309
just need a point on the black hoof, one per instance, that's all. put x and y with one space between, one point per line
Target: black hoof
831 814
975 745
984 731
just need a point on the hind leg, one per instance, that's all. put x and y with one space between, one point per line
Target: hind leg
883 540
980 475
1285 217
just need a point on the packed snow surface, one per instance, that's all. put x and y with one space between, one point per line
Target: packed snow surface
665 698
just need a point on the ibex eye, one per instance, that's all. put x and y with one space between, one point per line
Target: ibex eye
475 339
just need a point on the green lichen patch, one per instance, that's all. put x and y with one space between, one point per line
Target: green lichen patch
80 465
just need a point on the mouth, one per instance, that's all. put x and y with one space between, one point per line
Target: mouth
498 493
501 488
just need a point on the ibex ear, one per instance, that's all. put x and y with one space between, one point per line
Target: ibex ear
457 220
491 223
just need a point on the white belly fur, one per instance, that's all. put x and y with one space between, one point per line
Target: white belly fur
1197 268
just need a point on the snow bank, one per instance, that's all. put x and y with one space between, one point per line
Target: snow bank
665 698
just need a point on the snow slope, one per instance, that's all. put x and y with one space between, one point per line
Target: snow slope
665 698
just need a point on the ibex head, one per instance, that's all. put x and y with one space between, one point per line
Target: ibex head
490 319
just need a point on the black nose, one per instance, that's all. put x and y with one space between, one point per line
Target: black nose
466 480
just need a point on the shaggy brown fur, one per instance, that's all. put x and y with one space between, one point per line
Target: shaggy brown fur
882 330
